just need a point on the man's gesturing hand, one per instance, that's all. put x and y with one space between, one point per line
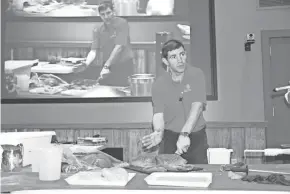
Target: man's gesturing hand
152 139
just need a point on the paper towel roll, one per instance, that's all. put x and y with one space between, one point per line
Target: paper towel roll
272 152
219 155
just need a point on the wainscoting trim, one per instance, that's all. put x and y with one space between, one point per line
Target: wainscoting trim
210 125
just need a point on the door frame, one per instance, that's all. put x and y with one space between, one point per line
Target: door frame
266 36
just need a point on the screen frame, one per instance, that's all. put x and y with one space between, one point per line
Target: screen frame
96 19
212 97
154 18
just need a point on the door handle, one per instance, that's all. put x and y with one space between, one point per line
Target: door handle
287 97
273 111
282 88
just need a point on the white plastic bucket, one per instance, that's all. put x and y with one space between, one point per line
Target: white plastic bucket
29 140
219 155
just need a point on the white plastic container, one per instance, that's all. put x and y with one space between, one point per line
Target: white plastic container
219 155
21 70
29 141
35 154
50 163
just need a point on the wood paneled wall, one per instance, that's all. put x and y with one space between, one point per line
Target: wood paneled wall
236 136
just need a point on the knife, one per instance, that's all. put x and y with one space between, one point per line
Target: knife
179 153
246 169
99 78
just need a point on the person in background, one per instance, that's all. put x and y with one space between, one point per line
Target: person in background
112 38
179 99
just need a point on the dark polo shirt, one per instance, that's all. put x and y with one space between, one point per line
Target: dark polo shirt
175 99
106 37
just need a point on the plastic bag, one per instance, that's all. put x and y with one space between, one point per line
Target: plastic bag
88 161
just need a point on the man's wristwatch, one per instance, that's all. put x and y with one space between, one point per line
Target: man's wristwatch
185 134
85 63
106 67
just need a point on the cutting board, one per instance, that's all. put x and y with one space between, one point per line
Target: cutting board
146 171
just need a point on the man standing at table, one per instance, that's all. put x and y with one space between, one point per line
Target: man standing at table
179 99
112 38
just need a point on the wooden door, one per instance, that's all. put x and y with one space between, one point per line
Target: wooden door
278 131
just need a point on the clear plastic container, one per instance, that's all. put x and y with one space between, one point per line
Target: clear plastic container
50 163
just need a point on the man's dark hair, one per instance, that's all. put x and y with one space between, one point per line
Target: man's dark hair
170 45
105 5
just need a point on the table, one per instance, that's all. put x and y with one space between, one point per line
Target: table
220 181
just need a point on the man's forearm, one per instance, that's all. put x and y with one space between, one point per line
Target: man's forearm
91 57
114 55
194 114
158 122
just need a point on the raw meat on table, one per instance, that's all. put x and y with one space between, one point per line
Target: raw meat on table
170 159
144 161
161 163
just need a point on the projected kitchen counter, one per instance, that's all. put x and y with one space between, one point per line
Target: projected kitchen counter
97 92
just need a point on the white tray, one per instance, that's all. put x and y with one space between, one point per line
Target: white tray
95 178
180 179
